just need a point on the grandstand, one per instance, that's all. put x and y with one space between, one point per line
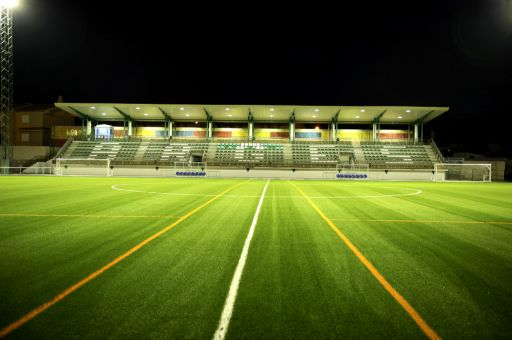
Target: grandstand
318 139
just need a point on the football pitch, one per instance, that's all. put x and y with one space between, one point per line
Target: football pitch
205 258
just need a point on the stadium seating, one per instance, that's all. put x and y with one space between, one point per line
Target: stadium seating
248 153
258 154
398 155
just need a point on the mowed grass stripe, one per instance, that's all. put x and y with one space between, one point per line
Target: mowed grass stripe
35 312
429 332
424 221
83 215
229 305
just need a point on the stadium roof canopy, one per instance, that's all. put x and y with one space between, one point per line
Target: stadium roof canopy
261 113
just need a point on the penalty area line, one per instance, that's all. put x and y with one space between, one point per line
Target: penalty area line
227 312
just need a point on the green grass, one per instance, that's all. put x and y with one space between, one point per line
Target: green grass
446 250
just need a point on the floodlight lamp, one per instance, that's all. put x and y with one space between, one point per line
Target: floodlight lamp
9 3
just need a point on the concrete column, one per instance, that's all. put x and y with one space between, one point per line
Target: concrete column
374 132
416 133
292 131
210 130
333 131
251 131
88 130
130 130
169 129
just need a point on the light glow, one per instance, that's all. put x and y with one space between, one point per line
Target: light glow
399 117
357 116
93 107
146 114
227 109
9 3
316 110
407 110
137 108
182 108
103 113
362 110
271 109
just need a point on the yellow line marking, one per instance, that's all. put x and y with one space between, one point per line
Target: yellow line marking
427 221
35 312
429 332
82 215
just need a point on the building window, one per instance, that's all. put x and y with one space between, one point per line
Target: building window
25 119
25 137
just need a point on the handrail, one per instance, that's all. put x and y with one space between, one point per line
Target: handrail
436 149
63 147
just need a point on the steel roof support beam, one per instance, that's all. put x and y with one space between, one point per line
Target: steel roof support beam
418 127
165 114
168 123
124 114
126 119
250 126
86 123
291 130
209 125
376 127
334 126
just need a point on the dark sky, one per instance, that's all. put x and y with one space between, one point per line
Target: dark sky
446 53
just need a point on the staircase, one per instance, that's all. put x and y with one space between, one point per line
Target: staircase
431 154
358 152
139 155
67 153
210 153
287 153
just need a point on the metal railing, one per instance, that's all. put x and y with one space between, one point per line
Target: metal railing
23 170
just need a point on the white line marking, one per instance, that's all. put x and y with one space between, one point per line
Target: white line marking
416 192
222 329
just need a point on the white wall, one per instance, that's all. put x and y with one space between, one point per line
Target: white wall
241 173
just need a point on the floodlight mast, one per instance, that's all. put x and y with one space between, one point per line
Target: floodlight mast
6 82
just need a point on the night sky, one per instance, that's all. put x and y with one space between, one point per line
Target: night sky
446 53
